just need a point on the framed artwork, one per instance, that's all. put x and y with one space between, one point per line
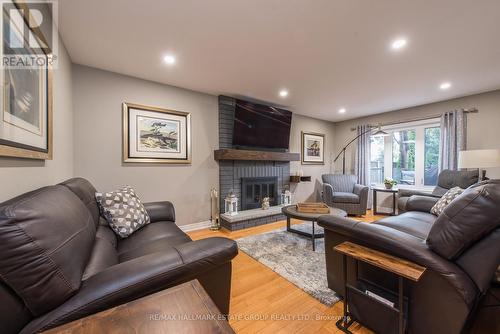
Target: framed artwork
156 135
26 97
313 148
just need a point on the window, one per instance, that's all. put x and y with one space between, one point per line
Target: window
409 155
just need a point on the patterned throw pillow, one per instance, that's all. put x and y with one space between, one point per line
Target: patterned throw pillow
447 198
123 210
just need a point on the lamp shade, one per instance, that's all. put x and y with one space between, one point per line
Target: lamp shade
479 159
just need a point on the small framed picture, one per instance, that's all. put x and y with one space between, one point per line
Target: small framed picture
313 148
156 135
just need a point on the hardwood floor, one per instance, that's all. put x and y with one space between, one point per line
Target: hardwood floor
264 302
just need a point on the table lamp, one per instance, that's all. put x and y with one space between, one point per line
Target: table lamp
479 159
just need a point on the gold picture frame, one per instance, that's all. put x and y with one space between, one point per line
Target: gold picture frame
18 146
155 135
312 148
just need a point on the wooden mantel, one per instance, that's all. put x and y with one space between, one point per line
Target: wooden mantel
233 154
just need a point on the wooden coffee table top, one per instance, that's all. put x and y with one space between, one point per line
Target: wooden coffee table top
291 211
185 308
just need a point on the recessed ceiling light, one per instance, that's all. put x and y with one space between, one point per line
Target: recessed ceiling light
283 93
169 59
399 43
445 86
342 110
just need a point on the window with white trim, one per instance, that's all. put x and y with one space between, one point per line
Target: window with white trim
409 154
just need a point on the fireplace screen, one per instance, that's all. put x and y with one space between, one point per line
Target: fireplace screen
254 189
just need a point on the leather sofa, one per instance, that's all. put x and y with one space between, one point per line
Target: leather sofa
447 179
59 260
460 249
343 192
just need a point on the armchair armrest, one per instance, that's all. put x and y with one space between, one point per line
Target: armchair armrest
420 203
160 211
139 277
400 244
327 194
362 192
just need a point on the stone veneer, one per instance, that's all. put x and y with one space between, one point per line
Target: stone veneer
231 172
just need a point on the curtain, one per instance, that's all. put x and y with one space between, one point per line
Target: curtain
453 138
363 157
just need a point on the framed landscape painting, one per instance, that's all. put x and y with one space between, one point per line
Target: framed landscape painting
156 135
25 97
313 148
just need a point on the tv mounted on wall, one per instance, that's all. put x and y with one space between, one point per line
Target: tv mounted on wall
261 126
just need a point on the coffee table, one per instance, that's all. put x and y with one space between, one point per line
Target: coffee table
290 211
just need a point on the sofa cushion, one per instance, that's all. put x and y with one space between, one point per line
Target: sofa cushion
448 179
45 241
471 216
148 234
446 199
415 223
340 197
158 245
123 210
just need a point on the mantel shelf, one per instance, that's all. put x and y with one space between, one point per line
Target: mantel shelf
233 154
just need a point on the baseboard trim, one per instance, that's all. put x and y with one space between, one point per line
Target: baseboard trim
196 226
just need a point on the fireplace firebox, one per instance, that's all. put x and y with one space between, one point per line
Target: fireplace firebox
254 189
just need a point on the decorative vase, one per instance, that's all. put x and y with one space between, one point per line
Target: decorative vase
265 203
388 185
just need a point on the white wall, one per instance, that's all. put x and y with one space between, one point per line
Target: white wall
21 175
98 96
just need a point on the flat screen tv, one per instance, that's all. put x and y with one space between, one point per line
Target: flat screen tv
261 126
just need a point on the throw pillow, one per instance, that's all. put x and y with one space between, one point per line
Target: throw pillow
447 198
123 211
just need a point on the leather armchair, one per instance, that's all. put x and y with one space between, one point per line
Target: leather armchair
342 191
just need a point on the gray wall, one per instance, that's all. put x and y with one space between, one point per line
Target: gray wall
98 96
309 191
482 133
20 175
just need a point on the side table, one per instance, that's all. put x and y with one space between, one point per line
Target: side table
394 192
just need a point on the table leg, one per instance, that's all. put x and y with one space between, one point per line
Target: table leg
374 202
393 204
288 223
314 244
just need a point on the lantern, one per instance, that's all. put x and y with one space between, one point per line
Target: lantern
286 197
231 204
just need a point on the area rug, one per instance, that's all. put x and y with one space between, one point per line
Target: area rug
291 256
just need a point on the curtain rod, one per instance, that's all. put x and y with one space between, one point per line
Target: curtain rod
467 111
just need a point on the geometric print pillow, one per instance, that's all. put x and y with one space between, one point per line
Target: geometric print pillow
123 210
447 198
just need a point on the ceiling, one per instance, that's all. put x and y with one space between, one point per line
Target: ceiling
328 54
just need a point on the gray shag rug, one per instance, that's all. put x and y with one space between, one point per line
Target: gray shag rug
291 256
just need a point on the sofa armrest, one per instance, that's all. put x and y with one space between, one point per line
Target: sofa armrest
160 211
400 244
139 277
327 194
420 203
411 192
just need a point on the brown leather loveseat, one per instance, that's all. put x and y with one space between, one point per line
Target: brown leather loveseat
460 249
59 261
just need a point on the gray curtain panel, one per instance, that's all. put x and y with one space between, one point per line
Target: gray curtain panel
363 157
453 138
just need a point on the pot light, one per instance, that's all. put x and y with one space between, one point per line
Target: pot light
283 93
399 44
169 59
445 86
342 111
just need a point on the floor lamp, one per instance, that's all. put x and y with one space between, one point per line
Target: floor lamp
379 132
